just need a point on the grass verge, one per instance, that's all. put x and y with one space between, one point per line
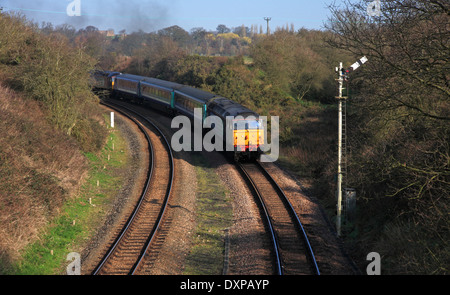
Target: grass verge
79 216
214 215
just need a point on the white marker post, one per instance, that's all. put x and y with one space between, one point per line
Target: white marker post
112 119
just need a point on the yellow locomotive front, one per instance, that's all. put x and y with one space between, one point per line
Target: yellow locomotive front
248 138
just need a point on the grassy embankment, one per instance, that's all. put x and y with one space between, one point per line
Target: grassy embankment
80 216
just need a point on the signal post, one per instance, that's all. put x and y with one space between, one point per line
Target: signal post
343 75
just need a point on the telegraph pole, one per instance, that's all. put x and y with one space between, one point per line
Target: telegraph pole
267 19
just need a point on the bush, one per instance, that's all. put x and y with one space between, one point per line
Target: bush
40 168
90 134
50 70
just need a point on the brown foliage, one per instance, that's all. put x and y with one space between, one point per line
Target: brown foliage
400 139
39 168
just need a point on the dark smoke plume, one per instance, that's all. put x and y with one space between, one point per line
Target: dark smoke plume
131 15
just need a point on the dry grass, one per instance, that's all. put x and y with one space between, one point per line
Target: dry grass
39 168
311 143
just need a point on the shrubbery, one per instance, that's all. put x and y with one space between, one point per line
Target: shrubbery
398 108
400 134
50 70
48 116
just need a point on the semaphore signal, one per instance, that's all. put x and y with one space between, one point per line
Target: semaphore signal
343 76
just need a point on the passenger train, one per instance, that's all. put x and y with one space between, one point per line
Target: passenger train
174 99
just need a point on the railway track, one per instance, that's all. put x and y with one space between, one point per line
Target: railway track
127 252
292 251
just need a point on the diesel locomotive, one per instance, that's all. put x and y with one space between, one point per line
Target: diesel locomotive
175 99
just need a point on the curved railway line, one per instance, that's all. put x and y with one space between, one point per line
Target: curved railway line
292 251
127 252
130 252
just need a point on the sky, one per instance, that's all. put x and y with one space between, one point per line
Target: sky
152 15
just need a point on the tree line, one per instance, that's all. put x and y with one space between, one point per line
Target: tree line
398 107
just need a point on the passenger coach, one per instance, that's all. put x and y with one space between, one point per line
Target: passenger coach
174 98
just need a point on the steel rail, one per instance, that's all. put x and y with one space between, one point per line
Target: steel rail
273 237
291 211
141 198
299 223
168 192
145 190
166 199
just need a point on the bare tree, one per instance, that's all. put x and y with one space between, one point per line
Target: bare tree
402 110
409 41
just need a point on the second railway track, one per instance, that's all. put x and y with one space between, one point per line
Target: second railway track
292 250
129 249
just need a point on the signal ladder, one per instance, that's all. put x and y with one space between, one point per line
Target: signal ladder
344 162
348 197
